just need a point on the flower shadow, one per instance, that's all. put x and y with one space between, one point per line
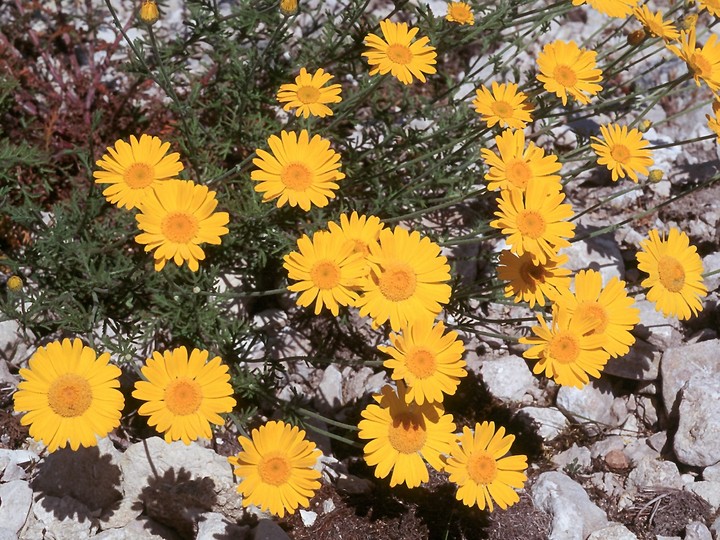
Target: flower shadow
78 484
177 500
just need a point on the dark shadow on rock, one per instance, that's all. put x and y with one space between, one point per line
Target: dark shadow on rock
177 500
603 244
642 362
85 475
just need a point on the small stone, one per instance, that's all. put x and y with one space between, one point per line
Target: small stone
657 441
330 389
613 532
594 406
600 253
654 473
575 459
709 491
212 526
308 517
509 378
617 460
697 531
328 506
712 473
267 529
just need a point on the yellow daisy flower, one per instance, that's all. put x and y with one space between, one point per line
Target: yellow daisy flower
277 468
184 394
175 218
567 351
402 435
300 171
460 12
566 69
714 121
71 395
623 152
362 231
712 6
516 165
655 25
675 268
134 169
327 270
504 106
481 468
427 359
609 307
703 63
534 220
611 8
398 55
309 94
530 281
407 281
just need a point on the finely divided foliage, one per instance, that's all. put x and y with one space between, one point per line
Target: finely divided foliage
315 176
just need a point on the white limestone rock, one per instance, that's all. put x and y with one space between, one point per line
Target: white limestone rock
709 491
680 363
697 441
615 531
574 459
548 421
650 472
600 253
574 515
594 406
697 531
508 378
16 498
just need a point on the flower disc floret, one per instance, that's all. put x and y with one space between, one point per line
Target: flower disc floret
70 394
276 468
175 219
300 171
328 271
566 69
481 468
397 54
407 281
403 436
184 394
675 274
309 95
133 170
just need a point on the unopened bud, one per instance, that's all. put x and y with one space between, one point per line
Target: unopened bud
14 283
636 38
288 7
688 23
656 175
149 13
645 125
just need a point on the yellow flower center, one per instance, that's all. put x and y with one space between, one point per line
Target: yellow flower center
296 176
179 227
564 347
502 109
620 153
420 362
325 274
482 467
595 312
183 396
565 76
700 65
531 224
398 282
274 469
308 94
518 173
139 175
70 395
460 13
407 434
671 273
399 54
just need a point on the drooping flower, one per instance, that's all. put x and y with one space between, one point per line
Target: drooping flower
703 63
567 350
362 231
408 279
517 165
309 95
403 434
566 69
134 170
428 360
714 121
623 152
481 468
398 55
504 106
460 12
675 274
184 394
327 270
175 218
609 307
655 25
611 8
299 172
71 395
534 220
530 281
276 468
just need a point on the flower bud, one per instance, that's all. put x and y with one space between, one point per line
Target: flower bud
14 283
288 7
149 13
645 125
636 38
655 175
